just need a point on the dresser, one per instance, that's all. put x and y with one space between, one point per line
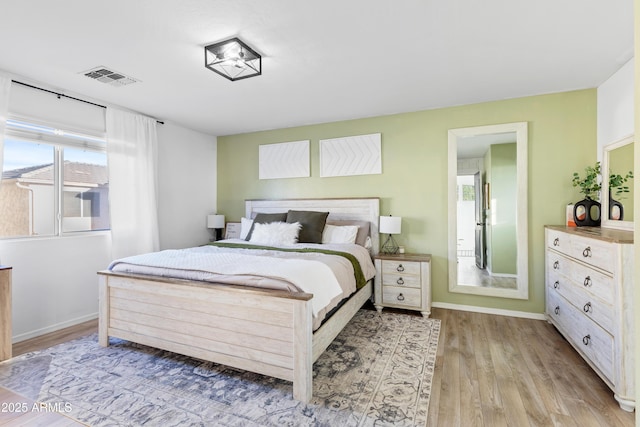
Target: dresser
403 281
589 299
5 313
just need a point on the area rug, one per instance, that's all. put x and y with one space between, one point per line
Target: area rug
378 371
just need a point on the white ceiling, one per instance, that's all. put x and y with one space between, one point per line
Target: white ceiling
323 60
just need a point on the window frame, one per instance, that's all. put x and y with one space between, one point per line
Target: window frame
61 138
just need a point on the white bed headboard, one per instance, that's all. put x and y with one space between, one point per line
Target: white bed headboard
356 209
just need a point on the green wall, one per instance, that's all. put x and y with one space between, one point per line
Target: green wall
562 139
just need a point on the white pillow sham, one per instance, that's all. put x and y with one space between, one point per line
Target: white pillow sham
245 226
276 233
339 234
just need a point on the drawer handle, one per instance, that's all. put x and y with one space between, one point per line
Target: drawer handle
400 268
400 297
587 281
587 307
556 285
556 265
400 281
587 252
586 339
557 310
556 241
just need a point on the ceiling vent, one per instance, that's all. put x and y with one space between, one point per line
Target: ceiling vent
110 77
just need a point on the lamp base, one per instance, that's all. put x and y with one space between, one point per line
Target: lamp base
390 247
217 235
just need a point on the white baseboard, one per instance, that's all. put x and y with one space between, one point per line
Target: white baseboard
486 310
53 328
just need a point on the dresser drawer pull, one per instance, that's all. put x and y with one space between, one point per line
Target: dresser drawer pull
556 285
556 265
556 241
587 281
557 310
400 281
587 307
587 252
400 297
400 268
586 339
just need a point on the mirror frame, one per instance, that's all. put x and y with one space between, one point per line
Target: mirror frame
606 222
522 228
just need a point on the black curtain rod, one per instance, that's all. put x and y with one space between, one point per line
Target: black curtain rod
66 96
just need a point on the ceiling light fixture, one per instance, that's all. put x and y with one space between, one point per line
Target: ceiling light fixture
232 59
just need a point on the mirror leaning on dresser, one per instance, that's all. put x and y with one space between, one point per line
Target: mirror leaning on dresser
589 297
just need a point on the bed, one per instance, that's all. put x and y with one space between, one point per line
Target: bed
267 331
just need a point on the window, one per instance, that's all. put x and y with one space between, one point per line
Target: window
53 182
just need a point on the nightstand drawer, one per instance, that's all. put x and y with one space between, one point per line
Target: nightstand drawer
402 280
400 267
396 295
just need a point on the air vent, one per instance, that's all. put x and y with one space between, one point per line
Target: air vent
110 77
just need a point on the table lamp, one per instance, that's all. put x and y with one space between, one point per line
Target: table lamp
390 225
217 223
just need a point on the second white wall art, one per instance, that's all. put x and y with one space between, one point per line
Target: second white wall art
284 160
353 155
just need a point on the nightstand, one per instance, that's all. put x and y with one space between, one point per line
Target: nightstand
403 281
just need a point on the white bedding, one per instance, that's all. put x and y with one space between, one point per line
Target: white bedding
330 278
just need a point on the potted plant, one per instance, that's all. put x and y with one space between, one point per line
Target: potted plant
617 182
586 212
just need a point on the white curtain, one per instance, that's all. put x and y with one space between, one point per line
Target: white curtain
131 150
5 90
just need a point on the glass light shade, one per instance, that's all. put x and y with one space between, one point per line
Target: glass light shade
233 59
390 224
215 221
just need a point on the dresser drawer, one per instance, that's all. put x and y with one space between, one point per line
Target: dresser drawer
559 264
585 335
595 252
556 306
559 241
592 307
398 296
594 282
598 253
403 280
401 267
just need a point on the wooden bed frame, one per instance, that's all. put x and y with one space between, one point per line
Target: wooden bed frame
264 331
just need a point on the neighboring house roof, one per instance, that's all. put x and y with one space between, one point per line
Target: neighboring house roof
74 172
17 173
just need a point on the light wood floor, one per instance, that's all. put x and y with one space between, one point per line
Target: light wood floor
505 371
490 371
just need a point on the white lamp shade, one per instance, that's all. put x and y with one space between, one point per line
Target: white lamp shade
215 221
390 224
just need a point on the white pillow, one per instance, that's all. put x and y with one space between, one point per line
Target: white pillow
275 233
339 233
245 226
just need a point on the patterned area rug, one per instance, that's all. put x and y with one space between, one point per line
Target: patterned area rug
378 371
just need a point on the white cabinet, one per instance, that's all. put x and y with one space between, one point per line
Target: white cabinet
589 299
403 281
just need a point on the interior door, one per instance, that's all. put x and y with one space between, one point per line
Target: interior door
480 247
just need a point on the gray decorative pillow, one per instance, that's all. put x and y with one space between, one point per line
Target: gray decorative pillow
266 218
312 225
